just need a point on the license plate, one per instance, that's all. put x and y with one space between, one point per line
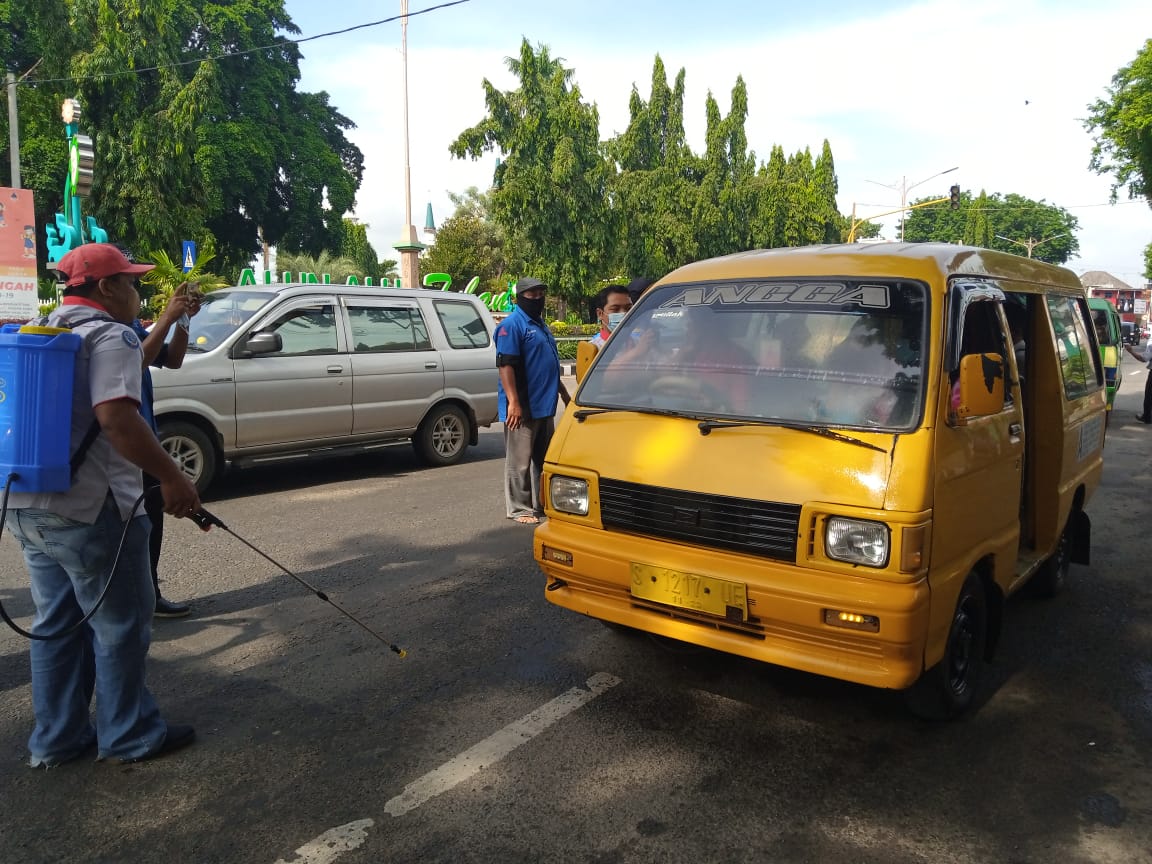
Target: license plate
706 594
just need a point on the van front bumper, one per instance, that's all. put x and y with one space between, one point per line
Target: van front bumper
786 604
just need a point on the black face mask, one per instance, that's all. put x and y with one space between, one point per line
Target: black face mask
533 307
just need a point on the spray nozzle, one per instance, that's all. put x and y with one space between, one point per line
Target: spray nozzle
206 520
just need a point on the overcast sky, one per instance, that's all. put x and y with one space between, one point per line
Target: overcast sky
901 90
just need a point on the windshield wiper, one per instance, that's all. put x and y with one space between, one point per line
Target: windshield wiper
663 412
839 436
588 412
706 427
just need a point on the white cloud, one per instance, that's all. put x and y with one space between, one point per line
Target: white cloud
997 89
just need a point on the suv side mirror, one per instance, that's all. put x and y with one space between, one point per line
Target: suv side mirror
263 343
980 388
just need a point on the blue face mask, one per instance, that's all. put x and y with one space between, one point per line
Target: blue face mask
615 318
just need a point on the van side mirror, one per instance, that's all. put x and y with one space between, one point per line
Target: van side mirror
979 391
264 343
585 354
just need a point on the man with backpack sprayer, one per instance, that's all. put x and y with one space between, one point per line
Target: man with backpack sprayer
69 538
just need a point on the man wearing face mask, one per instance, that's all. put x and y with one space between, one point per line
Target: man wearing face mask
529 367
612 304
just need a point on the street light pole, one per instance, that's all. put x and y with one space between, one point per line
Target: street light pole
409 246
1031 244
904 189
13 132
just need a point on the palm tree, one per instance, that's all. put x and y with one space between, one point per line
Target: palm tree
168 276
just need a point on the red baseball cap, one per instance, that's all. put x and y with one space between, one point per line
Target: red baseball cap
94 261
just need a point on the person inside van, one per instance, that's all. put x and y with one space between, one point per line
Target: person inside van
1017 316
709 352
612 304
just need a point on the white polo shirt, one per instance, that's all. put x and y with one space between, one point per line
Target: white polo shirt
108 367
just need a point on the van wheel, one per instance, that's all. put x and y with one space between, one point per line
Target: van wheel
442 436
193 452
1053 573
948 688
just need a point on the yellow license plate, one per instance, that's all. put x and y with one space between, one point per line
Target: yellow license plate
690 591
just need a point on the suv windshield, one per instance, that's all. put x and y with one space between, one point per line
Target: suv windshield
221 313
798 351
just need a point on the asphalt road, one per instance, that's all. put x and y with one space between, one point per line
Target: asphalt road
515 731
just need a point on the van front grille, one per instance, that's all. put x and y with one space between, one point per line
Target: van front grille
762 528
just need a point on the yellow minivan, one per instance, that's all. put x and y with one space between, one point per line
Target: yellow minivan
840 459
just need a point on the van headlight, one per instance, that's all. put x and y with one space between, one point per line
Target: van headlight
857 541
569 495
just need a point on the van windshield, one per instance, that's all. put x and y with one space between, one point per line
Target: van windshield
812 352
221 313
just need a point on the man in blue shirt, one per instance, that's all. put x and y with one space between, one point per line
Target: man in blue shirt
529 367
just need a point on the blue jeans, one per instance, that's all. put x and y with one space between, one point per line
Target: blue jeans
68 563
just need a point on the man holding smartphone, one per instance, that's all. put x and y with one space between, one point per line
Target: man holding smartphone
163 353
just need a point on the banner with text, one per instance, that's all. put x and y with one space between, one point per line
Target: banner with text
18 300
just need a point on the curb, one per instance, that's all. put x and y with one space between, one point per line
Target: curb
567 370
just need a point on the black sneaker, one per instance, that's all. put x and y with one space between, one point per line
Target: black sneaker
168 609
1143 419
178 738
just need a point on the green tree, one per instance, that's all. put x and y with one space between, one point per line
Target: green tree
31 33
355 247
187 146
1148 262
335 266
653 189
551 187
1021 220
1121 126
470 243
976 228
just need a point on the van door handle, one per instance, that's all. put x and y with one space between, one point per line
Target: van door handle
431 364
335 369
1015 429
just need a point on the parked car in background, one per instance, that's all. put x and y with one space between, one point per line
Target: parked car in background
298 370
1109 334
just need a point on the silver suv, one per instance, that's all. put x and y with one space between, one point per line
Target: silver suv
276 371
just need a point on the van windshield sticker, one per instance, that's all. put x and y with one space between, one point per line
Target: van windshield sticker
835 294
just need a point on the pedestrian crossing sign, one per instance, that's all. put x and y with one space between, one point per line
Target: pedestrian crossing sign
189 254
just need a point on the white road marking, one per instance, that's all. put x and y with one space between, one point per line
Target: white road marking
492 749
331 844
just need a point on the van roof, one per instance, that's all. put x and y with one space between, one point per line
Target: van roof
926 261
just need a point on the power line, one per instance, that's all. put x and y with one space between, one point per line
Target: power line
285 41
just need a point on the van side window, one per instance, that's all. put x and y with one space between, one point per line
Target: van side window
382 328
307 329
1079 361
462 324
983 334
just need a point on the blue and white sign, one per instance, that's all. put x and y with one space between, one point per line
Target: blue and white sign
188 255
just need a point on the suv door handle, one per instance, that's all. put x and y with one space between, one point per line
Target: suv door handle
335 369
431 364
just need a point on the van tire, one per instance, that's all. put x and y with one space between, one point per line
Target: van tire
949 688
443 436
1052 576
192 450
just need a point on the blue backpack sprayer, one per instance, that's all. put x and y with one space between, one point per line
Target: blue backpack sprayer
37 366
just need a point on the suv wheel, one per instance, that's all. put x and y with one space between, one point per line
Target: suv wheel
442 436
192 450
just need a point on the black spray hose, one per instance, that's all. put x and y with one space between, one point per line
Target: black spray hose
108 584
206 520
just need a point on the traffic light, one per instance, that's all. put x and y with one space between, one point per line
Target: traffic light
954 197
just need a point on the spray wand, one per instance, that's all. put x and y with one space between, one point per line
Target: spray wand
206 520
